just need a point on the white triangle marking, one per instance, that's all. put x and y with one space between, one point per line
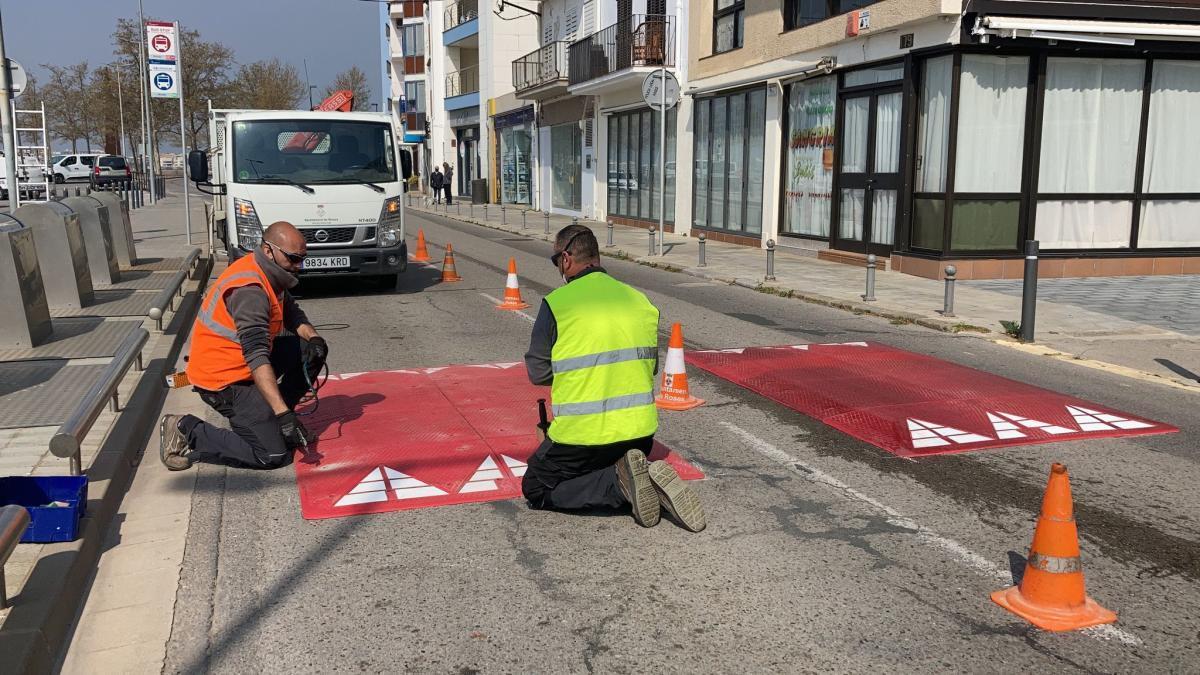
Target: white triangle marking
430 371
1119 422
517 468
1087 422
370 489
1004 430
843 344
1037 424
405 486
485 477
802 348
930 435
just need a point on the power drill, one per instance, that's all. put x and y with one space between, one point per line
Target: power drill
543 422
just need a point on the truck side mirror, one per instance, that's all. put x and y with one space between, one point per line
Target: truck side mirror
198 166
405 164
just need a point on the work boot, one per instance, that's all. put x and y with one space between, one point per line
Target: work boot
676 496
173 448
634 481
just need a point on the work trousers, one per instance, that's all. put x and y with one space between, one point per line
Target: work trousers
253 439
449 199
568 477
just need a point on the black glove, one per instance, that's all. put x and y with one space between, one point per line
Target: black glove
293 432
316 350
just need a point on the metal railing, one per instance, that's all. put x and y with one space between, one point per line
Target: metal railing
460 13
66 441
165 300
540 67
639 40
465 81
13 521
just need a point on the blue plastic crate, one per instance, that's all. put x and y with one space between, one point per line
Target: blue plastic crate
35 493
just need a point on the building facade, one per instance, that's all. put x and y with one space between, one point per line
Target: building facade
931 132
406 28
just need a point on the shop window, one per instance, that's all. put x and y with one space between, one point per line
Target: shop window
933 140
728 20
516 144
566 166
985 225
729 161
634 140
809 165
1083 223
929 223
991 124
1172 149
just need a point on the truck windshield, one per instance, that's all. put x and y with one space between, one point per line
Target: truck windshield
313 152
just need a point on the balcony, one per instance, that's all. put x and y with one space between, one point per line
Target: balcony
462 24
542 73
622 53
414 125
462 88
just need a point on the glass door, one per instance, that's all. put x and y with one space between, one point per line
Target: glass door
869 172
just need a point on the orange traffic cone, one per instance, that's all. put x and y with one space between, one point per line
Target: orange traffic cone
422 254
512 290
674 395
449 273
1051 595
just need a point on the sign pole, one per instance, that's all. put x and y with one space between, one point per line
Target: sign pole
187 209
6 120
662 158
148 120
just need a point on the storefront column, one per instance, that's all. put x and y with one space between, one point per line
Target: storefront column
772 163
684 157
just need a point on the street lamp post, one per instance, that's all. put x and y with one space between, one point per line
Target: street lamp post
6 121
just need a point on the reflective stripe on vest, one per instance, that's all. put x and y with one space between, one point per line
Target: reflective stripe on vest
603 362
207 310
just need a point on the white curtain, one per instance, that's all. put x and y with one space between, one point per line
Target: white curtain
887 133
854 150
883 216
1173 136
1168 224
810 156
933 140
991 123
1090 125
1083 224
851 227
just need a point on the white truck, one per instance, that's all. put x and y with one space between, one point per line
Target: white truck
337 176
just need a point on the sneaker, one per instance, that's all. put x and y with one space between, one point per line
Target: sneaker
634 481
173 448
676 496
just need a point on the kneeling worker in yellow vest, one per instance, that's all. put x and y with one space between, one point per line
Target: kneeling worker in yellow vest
242 368
595 342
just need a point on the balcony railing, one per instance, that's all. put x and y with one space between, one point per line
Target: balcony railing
639 40
414 122
465 81
461 12
541 67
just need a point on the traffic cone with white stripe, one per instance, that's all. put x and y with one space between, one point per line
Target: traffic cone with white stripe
449 272
1051 595
512 290
422 254
674 394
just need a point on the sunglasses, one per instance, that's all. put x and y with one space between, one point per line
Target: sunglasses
294 258
558 256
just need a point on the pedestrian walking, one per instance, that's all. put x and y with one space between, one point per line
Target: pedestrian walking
595 343
435 183
448 180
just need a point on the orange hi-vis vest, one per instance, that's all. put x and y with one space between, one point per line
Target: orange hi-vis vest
216 360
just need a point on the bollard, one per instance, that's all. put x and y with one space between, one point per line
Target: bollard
703 241
1029 291
472 209
770 260
609 243
503 215
485 211
948 303
653 232
547 214
524 218
869 296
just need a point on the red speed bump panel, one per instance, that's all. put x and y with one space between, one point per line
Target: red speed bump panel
407 439
912 405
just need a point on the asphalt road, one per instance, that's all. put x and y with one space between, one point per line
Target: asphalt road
822 553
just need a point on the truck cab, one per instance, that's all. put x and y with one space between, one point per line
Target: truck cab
336 176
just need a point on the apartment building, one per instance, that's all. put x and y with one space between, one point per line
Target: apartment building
935 132
406 31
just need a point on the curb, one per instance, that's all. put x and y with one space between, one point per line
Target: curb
39 624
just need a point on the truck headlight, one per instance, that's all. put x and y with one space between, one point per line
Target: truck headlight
249 228
389 223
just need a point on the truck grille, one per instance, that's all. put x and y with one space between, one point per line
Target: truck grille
333 235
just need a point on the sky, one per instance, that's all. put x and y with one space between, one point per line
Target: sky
332 34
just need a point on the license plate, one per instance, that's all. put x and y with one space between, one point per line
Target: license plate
327 263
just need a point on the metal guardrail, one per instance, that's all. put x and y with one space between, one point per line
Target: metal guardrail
13 521
638 40
66 441
460 13
542 66
465 81
165 300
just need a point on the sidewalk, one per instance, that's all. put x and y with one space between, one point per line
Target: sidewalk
1089 333
45 582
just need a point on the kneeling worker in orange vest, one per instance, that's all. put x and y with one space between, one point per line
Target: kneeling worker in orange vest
240 366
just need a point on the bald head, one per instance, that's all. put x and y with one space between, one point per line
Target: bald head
285 235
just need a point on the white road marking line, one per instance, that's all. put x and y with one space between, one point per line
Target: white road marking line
518 312
928 537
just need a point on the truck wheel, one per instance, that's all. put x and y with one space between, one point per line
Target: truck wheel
59 179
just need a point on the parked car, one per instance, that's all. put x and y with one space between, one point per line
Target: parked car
32 180
73 167
110 170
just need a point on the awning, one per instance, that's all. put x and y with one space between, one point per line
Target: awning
1125 33
763 72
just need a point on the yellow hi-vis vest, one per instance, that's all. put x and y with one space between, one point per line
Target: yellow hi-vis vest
603 362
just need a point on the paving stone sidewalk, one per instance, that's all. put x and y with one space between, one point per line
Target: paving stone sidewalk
1107 329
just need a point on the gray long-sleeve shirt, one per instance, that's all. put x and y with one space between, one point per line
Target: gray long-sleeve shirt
251 311
541 342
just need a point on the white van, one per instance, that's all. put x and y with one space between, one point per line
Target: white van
73 167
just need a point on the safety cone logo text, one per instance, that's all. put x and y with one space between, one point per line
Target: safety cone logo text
674 393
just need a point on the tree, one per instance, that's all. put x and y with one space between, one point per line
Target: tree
267 85
355 80
71 115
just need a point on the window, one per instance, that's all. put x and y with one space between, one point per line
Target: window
728 19
412 40
799 13
414 96
1172 146
729 167
634 156
566 169
811 131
